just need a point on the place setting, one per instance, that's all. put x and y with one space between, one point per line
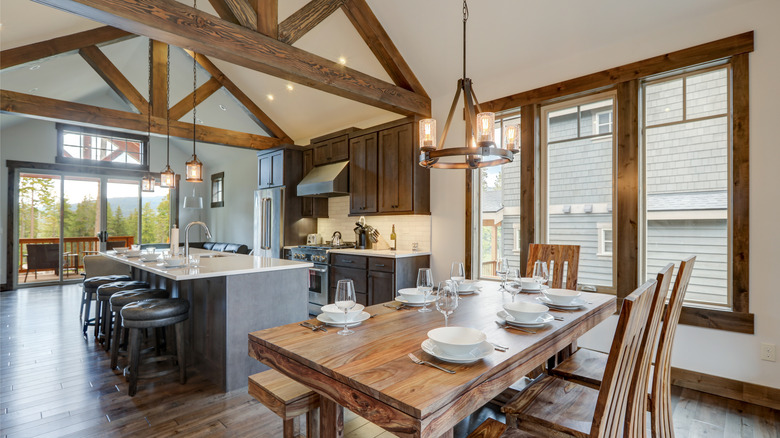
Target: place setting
562 299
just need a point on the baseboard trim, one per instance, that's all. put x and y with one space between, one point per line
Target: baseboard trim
723 387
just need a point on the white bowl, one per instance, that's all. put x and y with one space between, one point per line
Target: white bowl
337 314
133 253
456 341
412 294
524 311
150 257
468 285
121 249
175 261
563 297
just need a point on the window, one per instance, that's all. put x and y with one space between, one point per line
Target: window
499 212
518 238
80 145
217 190
577 183
686 175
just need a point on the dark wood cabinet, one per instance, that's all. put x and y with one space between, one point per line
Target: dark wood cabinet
363 174
312 207
381 287
396 181
270 170
331 150
376 279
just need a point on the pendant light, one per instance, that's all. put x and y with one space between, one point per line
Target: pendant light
194 166
167 176
147 182
480 149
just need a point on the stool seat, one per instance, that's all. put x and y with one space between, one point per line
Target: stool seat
155 312
104 291
94 282
286 398
91 285
123 298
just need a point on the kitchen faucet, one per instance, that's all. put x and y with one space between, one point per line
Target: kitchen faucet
187 237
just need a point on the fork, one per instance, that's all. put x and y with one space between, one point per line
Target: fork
419 361
511 327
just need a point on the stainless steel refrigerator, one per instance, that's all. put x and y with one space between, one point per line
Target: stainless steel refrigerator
269 222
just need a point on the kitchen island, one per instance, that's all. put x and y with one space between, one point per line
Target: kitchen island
230 296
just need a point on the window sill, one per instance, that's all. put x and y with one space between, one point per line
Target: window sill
728 320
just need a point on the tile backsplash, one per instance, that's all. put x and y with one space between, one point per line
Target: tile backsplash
408 228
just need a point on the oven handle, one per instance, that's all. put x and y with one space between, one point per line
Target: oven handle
323 270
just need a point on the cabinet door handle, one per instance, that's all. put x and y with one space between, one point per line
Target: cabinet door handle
382 265
348 261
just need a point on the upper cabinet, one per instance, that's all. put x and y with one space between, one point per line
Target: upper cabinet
270 169
385 177
331 150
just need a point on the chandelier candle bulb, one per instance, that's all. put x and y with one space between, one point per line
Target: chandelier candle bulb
428 134
486 123
511 135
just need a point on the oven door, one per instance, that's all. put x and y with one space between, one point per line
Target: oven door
318 287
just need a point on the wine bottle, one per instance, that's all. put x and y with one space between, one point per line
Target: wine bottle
393 239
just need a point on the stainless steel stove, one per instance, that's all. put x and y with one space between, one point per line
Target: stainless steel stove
318 274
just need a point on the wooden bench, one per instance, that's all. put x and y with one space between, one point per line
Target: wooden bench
287 399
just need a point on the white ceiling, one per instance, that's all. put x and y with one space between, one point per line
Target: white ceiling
427 33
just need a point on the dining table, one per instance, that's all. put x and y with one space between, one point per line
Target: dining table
371 374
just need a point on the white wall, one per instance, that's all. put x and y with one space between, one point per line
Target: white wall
720 353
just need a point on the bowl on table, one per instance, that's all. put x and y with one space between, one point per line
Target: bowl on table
174 261
133 253
337 315
412 295
562 297
523 311
456 341
468 286
121 249
150 256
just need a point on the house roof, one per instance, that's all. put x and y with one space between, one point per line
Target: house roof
492 201
715 200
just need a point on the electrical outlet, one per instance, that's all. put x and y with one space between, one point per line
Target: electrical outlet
768 352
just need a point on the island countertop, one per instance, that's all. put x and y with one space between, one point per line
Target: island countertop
215 264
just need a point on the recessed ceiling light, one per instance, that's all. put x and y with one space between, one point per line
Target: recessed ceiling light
667 109
32 90
290 87
35 67
270 97
199 121
222 107
342 60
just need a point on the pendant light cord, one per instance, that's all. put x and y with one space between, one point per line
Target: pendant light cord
194 88
465 18
168 103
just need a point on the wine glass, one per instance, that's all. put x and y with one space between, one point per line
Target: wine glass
540 274
502 269
457 272
425 285
515 290
345 301
447 299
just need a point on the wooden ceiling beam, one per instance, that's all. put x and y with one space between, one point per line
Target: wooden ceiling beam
114 78
204 92
57 46
60 110
305 19
183 26
244 12
377 39
268 18
159 72
223 11
248 105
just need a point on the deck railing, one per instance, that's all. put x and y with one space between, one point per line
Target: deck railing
72 245
489 268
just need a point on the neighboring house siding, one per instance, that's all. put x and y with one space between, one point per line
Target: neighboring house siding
582 230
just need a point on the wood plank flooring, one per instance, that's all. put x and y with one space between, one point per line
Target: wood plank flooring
54 383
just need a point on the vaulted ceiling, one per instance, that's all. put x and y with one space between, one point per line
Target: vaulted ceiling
427 34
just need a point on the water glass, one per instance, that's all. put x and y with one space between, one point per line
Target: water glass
447 299
194 261
425 285
345 301
502 269
515 290
540 274
457 272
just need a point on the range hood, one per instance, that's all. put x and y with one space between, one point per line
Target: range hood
326 181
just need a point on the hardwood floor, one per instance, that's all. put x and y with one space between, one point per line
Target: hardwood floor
53 383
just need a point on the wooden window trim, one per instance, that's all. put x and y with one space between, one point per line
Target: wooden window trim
214 178
626 229
62 159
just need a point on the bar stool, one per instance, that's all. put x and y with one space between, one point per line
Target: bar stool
90 290
120 300
154 313
104 292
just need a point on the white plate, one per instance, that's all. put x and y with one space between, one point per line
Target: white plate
539 322
481 351
327 320
576 303
431 299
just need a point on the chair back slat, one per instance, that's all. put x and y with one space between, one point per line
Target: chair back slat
559 258
661 391
636 410
609 416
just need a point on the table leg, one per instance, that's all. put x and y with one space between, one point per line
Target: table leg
331 419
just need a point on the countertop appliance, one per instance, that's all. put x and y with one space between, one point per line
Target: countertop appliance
313 239
318 274
269 222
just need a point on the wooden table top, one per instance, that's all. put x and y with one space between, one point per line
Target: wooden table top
369 372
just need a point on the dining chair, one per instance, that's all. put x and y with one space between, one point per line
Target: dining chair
587 366
562 261
551 406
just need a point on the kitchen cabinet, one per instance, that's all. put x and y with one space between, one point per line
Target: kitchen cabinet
376 279
363 174
331 150
385 177
312 207
270 169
